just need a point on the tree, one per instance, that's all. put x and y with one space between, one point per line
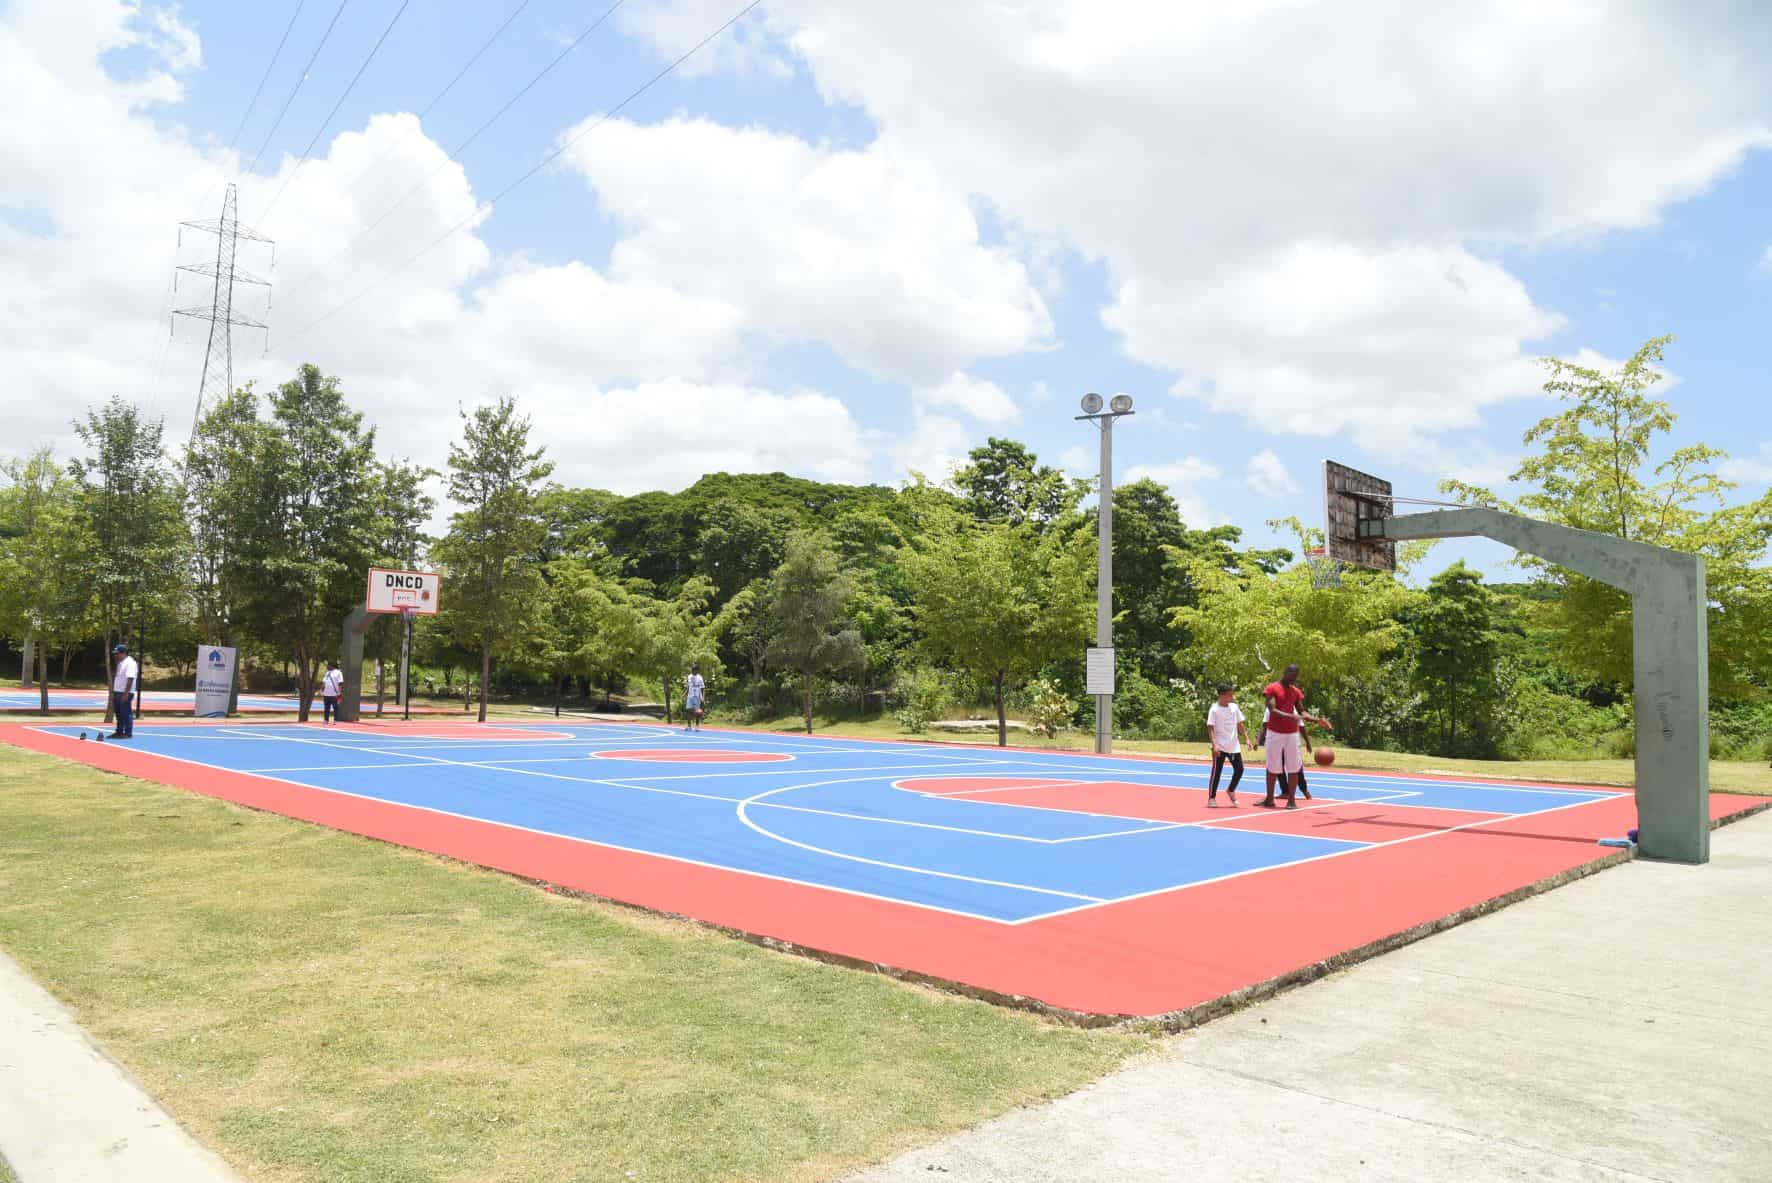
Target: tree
1001 601
1148 586
496 590
1005 482
402 505
1249 623
49 562
133 512
676 635
1456 652
1594 466
302 521
219 486
806 600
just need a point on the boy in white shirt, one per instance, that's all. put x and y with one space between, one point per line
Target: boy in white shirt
695 690
1224 727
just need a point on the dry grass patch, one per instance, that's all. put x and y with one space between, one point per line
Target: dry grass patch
321 1007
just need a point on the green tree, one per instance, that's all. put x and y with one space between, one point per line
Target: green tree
807 597
1001 601
220 488
1456 652
677 633
1248 624
402 505
49 563
496 590
133 510
1005 482
1599 464
304 525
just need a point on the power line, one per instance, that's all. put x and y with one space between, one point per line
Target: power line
349 86
424 182
265 77
484 46
486 208
312 58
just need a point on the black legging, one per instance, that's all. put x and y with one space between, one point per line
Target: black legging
1219 760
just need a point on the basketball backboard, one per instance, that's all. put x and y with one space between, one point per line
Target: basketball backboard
406 592
1351 497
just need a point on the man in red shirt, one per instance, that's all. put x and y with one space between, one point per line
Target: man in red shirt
1286 717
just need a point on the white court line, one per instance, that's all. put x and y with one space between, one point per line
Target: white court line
675 858
745 817
622 783
1316 858
1091 901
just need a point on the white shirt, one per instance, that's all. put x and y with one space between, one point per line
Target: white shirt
694 687
1222 721
331 684
126 671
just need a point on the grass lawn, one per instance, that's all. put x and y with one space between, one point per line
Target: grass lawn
1726 776
317 1006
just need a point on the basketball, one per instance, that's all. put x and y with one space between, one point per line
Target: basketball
1324 756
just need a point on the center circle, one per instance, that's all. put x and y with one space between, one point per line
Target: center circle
693 756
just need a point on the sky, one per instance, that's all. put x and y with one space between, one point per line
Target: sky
851 240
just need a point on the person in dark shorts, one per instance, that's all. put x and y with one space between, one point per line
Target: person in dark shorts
1228 735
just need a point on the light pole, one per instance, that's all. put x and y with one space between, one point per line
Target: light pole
1100 666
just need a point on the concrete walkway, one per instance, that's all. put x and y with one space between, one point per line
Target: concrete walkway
1617 1028
70 1114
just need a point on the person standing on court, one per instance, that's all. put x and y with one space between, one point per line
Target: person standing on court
123 692
331 686
1224 726
695 691
1285 719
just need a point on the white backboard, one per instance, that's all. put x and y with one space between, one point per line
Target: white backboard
416 592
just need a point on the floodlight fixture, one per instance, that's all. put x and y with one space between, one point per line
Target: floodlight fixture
1091 403
1122 404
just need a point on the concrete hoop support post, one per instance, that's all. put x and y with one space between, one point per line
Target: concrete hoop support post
350 698
1670 658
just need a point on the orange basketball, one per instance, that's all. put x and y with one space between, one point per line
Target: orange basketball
1324 756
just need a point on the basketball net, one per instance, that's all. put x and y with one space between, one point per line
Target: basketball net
1325 571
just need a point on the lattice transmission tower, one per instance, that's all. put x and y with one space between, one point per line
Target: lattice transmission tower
218 359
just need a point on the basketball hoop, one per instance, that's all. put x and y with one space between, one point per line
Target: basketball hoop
1325 571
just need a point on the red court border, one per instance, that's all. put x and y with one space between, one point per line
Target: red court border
1164 954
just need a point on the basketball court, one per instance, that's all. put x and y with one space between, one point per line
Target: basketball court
1099 886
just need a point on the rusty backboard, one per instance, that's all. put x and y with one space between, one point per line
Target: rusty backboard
1349 498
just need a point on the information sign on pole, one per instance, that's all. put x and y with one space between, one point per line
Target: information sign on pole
1098 671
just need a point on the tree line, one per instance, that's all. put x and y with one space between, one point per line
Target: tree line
801 598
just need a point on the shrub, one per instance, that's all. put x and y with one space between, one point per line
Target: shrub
925 696
1048 709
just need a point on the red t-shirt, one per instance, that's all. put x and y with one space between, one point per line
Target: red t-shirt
1283 698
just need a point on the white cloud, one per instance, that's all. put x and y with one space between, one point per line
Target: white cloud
633 380
1188 479
984 401
1079 461
1766 260
1266 475
1300 202
877 257
935 447
1756 469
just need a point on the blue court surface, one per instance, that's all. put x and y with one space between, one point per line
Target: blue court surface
1003 836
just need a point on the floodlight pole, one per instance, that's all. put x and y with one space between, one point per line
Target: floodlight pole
1104 558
